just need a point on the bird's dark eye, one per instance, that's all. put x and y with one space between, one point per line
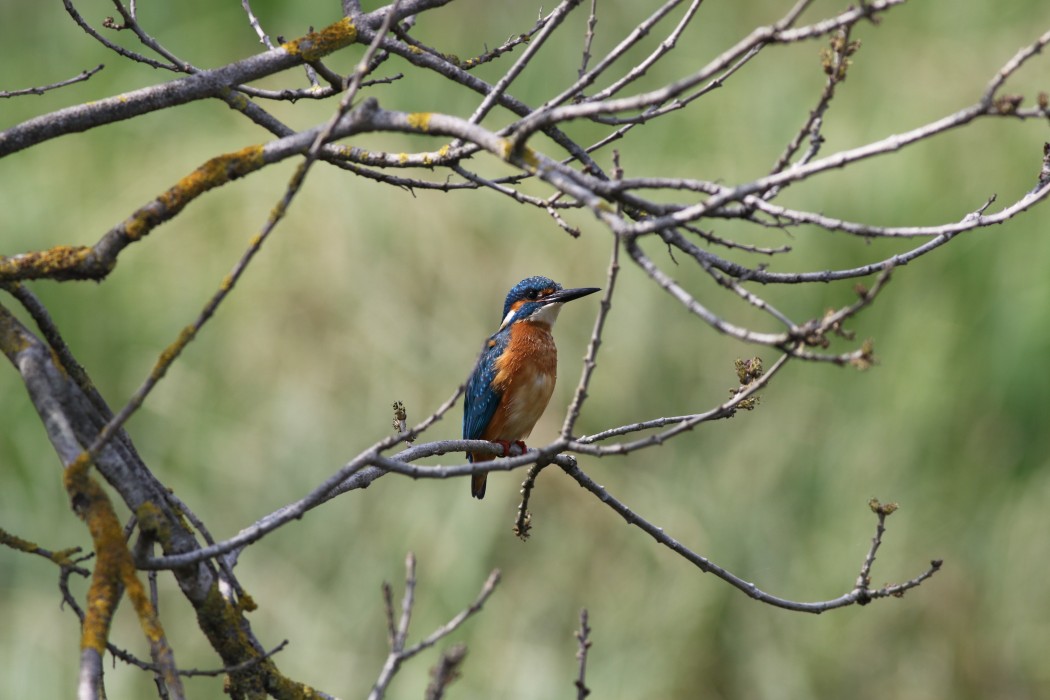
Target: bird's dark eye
532 294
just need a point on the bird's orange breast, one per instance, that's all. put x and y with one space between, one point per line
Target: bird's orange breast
525 375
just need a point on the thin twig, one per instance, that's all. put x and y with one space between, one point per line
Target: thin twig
264 38
590 360
399 652
583 639
41 89
853 597
523 519
445 671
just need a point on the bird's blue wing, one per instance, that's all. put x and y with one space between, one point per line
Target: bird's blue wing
481 399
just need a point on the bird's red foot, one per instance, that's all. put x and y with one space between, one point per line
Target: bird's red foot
505 444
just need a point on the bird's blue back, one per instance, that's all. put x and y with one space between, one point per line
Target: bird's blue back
481 399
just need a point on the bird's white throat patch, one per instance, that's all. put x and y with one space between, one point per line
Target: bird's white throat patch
546 314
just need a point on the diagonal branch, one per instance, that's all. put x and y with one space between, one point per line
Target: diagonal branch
41 89
72 419
860 595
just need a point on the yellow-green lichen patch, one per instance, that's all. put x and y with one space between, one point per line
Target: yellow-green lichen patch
172 351
59 262
94 507
77 469
360 155
224 625
319 44
152 521
507 150
56 362
235 99
529 157
277 212
15 542
64 557
148 620
13 336
419 121
180 516
523 156
140 223
217 171
228 281
225 628
342 151
246 603
214 173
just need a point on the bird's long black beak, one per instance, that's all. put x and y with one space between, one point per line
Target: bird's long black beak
563 295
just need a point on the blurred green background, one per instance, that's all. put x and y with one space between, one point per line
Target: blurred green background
367 295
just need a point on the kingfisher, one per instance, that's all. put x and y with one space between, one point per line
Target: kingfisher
514 380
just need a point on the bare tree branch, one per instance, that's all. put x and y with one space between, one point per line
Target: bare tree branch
399 649
40 90
583 638
860 595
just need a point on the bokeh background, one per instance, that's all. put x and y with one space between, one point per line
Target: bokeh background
367 295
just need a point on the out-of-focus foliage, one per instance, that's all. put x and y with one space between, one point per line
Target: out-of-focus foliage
367 295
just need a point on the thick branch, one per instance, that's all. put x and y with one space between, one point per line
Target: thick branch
211 83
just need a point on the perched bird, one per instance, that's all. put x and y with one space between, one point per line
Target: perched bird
514 380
